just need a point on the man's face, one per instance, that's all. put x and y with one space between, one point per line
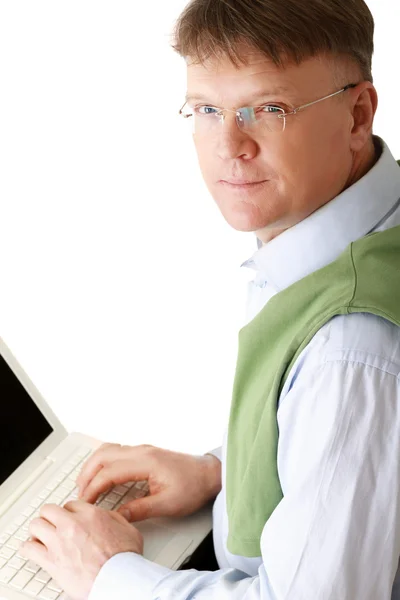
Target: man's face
303 167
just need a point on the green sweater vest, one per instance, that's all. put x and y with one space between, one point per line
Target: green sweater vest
364 278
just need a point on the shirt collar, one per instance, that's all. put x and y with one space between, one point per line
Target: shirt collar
320 238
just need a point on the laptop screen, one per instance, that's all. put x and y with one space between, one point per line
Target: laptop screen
22 426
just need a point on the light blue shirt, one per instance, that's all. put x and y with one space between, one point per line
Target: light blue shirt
335 535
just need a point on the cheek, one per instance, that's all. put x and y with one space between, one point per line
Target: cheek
207 163
323 164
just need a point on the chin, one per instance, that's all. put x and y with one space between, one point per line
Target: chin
243 222
242 216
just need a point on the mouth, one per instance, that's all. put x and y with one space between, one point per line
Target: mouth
243 186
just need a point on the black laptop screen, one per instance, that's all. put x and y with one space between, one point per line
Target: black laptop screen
22 426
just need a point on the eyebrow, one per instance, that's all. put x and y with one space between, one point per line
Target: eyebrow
258 95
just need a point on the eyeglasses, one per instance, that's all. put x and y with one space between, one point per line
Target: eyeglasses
253 119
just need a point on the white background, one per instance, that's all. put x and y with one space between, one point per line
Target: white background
121 292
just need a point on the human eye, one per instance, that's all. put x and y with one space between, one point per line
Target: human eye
207 110
272 109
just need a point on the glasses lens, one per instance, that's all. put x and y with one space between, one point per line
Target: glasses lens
207 121
261 119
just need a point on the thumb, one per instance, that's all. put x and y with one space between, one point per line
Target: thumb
139 509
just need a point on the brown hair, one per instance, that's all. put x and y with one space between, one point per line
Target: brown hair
283 30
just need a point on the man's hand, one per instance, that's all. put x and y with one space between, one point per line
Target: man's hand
179 484
74 542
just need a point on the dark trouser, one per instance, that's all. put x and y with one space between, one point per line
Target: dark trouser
203 558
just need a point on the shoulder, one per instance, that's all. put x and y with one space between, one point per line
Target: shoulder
361 337
357 338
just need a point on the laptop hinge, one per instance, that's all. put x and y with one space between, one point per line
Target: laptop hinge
17 493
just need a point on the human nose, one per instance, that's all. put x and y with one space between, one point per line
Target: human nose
231 140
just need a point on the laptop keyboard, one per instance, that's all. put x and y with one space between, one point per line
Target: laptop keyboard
24 575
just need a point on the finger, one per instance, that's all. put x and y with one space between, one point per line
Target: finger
34 539
56 515
36 552
82 484
95 463
121 471
42 530
143 508
77 506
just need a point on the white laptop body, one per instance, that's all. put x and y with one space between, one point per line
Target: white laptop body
35 447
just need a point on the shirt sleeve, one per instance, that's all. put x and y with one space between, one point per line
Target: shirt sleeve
335 534
217 452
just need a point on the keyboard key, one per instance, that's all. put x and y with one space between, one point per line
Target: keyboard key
106 505
57 497
6 552
13 544
53 585
84 451
12 529
68 485
42 576
17 563
22 535
21 579
47 594
120 490
68 468
133 494
112 497
140 493
36 503
28 511
6 574
34 587
128 484
20 520
74 493
44 494
141 484
3 561
54 499
51 485
31 566
3 538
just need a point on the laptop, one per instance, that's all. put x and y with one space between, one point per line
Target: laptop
40 463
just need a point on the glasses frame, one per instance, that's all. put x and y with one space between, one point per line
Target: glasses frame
283 115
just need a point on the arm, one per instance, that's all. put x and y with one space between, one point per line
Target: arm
335 534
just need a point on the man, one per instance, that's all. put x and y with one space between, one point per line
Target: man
321 183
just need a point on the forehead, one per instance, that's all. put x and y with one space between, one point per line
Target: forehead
223 70
223 80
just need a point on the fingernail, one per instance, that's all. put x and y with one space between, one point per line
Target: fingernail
125 513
